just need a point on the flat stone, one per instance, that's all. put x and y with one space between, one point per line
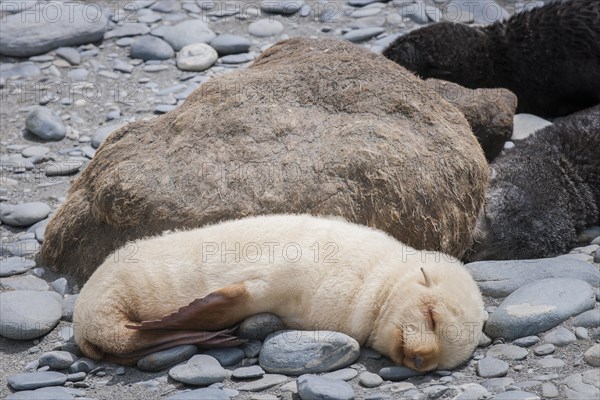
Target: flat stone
166 358
46 393
226 356
489 367
63 168
544 349
46 125
550 362
526 341
267 381
25 214
397 373
200 370
507 352
549 390
150 48
237 58
20 248
265 28
102 133
196 57
69 54
539 306
560 337
472 391
285 7
25 282
359 35
128 29
582 333
497 384
592 356
582 386
259 326
312 387
515 395
14 265
82 365
35 380
501 278
204 393
230 44
27 34
187 33
345 374
588 319
527 124
26 314
253 371
369 379
300 352
34 151
57 359
252 348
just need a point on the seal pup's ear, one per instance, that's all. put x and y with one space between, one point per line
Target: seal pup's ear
428 282
215 311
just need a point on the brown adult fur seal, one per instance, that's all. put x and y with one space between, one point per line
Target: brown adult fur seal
303 130
548 56
421 309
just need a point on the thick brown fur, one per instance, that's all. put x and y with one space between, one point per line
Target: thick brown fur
303 129
548 56
421 309
543 192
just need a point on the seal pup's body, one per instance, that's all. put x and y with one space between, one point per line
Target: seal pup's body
548 56
314 273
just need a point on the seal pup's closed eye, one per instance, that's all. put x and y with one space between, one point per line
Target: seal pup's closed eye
314 273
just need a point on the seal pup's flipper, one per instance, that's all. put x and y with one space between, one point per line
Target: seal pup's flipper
220 309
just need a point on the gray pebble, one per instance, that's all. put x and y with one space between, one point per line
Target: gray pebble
122 66
164 108
102 133
196 57
26 314
560 337
526 341
82 365
588 319
24 282
285 7
515 395
549 390
14 265
35 380
34 151
300 352
265 28
397 373
251 348
21 248
60 286
188 32
582 333
497 384
359 35
46 125
267 381
226 356
369 379
199 394
150 48
166 358
19 70
550 362
78 74
345 374
200 370
230 44
69 54
68 306
259 326
46 393
237 58
128 29
592 356
76 377
25 214
507 352
254 371
311 387
544 350
490 367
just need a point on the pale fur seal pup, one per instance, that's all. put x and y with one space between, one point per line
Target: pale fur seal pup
543 192
548 56
420 309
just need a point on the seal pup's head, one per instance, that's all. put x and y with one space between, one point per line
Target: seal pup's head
432 319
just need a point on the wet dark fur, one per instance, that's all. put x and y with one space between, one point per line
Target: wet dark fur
549 56
544 191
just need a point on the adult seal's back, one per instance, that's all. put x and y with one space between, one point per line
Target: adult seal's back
549 56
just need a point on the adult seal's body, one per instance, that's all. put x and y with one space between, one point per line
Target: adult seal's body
549 56
420 309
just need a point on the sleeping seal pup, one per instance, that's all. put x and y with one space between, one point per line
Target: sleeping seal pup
548 56
420 309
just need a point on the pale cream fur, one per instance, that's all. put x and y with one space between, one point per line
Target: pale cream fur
374 290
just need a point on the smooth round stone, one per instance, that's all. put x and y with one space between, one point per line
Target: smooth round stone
526 341
515 395
35 380
592 356
27 314
365 12
582 333
252 348
259 326
20 248
544 349
560 337
151 48
46 125
472 391
490 367
187 33
46 393
312 387
25 282
369 379
588 319
78 74
550 362
23 214
526 125
82 365
14 265
301 352
501 278
196 57
549 390
226 356
230 44
69 54
166 358
102 133
285 7
345 374
359 35
204 393
254 371
265 28
128 29
361 3
267 381
34 151
63 168
397 373
57 359
76 377
539 306
200 370
237 58
507 351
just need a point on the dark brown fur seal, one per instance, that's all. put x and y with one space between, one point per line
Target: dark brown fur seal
543 192
548 56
